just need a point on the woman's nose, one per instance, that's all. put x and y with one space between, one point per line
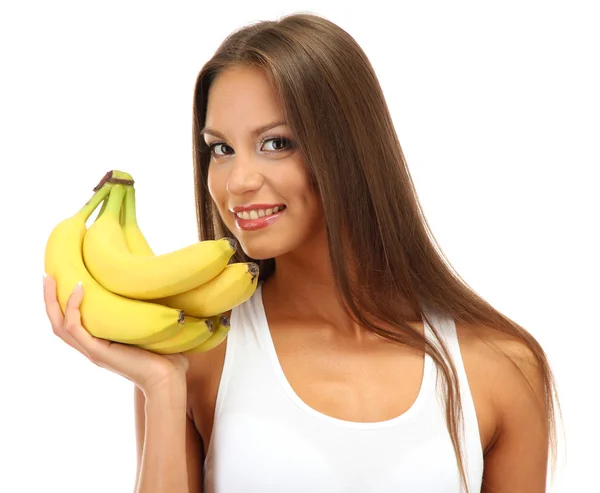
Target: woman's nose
244 177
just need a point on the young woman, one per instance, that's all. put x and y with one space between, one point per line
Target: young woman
362 362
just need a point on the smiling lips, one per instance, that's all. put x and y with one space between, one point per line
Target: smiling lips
257 216
255 213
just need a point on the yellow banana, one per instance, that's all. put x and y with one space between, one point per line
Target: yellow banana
104 314
233 286
192 334
230 288
218 336
110 262
138 245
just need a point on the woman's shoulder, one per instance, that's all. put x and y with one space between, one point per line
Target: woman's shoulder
502 370
494 350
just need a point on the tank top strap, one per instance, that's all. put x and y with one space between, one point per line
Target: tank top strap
468 426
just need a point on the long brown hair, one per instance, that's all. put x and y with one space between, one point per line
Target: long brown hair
335 107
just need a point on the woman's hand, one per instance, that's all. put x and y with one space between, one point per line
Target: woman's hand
149 371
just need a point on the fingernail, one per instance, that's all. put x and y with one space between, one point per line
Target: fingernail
78 285
44 279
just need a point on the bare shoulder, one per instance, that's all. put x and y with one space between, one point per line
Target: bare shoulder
506 380
505 357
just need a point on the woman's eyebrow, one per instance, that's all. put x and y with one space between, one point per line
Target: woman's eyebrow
255 132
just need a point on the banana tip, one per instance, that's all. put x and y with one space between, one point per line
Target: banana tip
253 269
233 243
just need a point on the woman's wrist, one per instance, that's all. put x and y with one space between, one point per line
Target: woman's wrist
170 394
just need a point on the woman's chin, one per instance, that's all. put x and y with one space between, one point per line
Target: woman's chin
260 253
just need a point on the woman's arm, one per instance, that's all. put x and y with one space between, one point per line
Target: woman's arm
168 446
517 462
164 437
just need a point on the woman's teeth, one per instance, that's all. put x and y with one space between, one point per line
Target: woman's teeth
256 213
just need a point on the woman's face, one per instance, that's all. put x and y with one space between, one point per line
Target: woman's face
255 170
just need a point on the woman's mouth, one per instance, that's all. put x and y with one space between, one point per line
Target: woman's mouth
258 218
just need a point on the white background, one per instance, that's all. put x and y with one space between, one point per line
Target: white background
497 108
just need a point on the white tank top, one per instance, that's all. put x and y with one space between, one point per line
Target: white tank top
266 439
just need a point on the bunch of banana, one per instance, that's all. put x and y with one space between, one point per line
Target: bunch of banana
169 303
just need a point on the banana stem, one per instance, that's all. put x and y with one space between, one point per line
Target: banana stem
102 207
130 216
115 201
90 205
122 215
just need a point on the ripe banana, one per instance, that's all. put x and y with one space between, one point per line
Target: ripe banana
104 314
233 286
218 336
193 333
109 261
230 288
138 245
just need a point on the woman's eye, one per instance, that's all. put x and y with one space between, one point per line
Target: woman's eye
212 148
277 144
